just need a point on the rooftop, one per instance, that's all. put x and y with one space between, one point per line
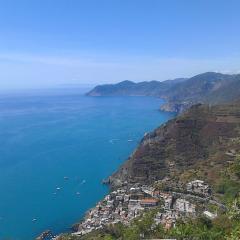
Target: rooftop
149 200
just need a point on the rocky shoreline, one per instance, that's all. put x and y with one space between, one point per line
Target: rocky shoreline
175 107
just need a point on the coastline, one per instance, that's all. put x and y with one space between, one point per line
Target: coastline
153 113
174 197
73 229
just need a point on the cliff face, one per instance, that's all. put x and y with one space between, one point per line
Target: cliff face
197 139
176 107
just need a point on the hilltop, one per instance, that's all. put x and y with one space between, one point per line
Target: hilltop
181 93
129 88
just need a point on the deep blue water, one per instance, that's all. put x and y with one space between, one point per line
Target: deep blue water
45 137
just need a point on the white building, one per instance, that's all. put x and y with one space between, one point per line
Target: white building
198 187
209 215
148 190
183 205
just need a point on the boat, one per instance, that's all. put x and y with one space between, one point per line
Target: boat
113 140
66 178
106 181
34 220
58 188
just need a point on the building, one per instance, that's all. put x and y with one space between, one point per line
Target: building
167 219
209 215
198 187
148 190
168 200
183 205
149 202
156 193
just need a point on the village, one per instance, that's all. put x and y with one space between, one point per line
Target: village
127 203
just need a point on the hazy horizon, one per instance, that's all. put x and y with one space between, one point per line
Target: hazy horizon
52 43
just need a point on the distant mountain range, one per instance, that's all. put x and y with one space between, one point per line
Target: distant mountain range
181 93
129 88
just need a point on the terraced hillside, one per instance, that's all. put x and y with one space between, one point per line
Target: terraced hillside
196 143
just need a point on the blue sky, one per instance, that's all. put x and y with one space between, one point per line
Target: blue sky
54 42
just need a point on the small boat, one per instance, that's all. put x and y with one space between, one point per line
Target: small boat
113 140
130 140
83 181
106 181
58 188
66 178
34 220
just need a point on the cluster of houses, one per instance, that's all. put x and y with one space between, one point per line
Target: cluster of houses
121 205
173 208
125 204
199 187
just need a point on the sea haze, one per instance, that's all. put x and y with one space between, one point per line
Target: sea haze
46 137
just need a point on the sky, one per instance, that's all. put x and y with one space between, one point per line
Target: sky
47 43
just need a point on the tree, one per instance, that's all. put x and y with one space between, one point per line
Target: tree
236 166
234 209
131 233
108 237
235 233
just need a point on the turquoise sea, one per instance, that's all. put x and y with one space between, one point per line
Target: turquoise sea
48 135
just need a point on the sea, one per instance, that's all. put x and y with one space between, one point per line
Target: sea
56 147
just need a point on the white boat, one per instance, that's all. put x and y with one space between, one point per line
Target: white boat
113 140
34 220
58 188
